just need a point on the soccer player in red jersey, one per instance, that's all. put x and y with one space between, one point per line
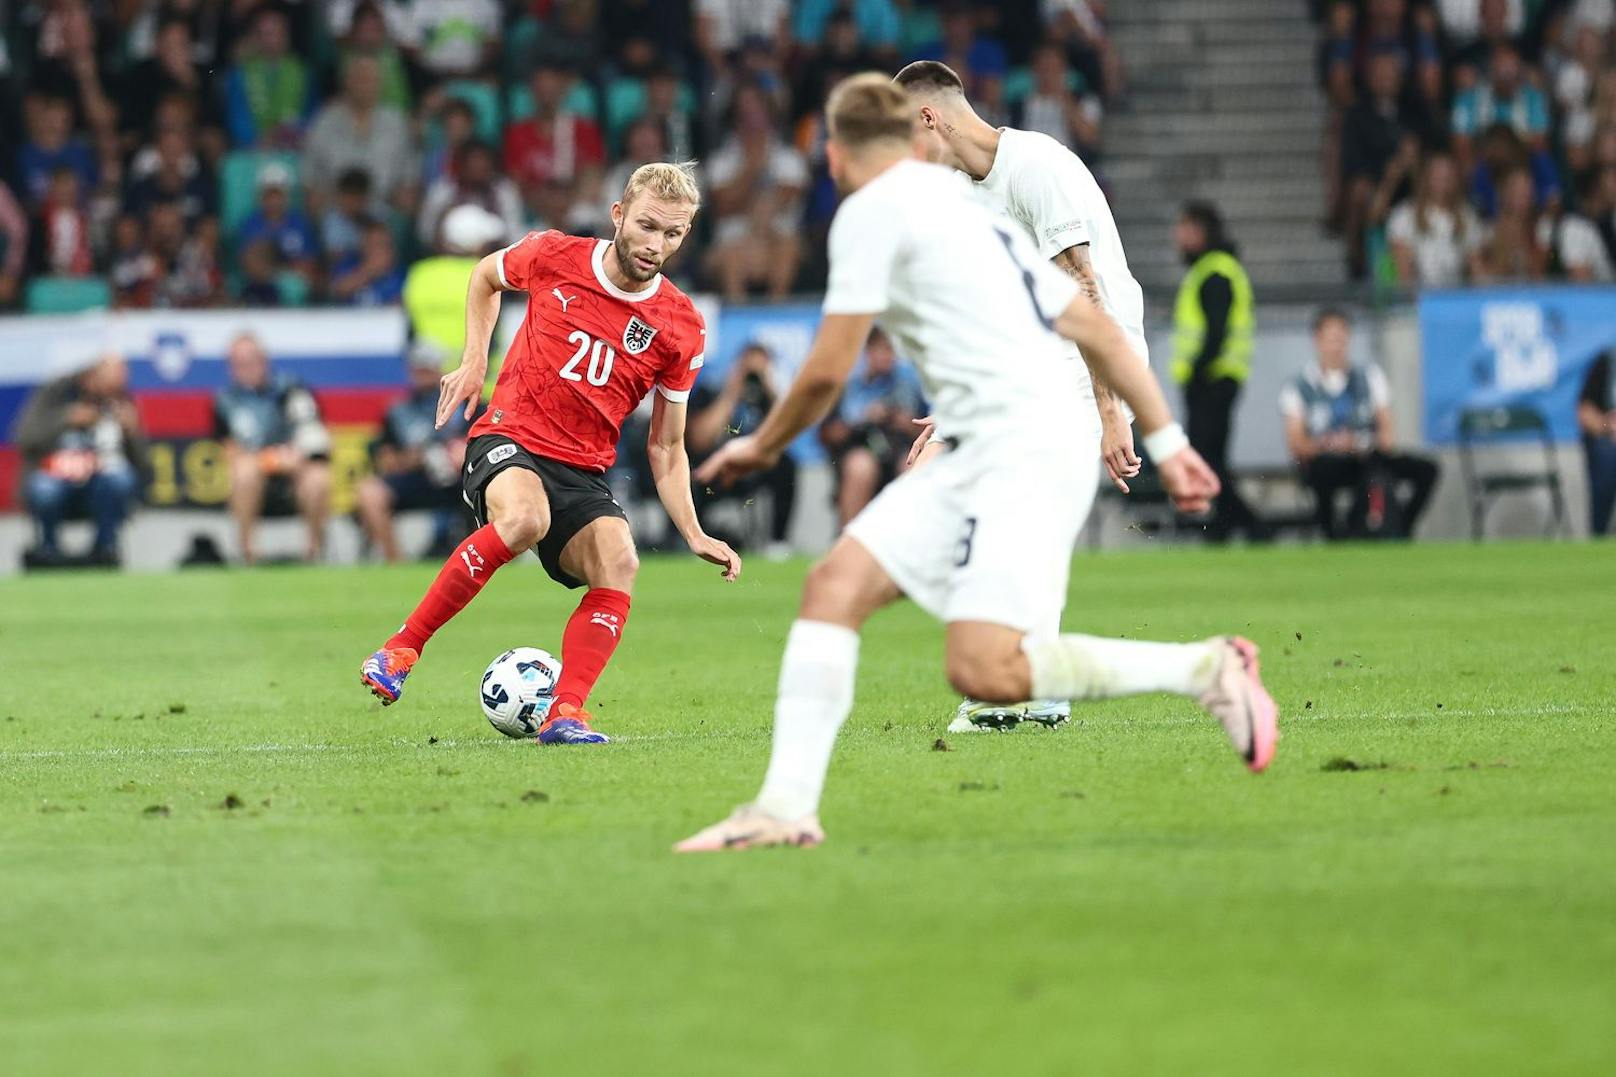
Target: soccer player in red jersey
603 329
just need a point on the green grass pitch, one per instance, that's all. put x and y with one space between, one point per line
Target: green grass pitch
218 855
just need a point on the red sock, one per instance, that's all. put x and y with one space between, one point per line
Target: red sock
587 644
458 582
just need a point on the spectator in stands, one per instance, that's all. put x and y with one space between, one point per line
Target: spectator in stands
1599 205
1054 108
1338 426
1079 27
1590 141
840 53
416 465
286 230
1574 88
368 37
681 135
172 69
268 92
457 125
195 277
1515 247
344 218
52 145
869 434
1214 318
722 26
68 64
278 450
756 182
1337 72
1435 235
1479 27
1503 96
475 181
173 174
750 388
874 23
453 39
82 449
356 130
642 143
1380 145
64 225
370 276
555 156
259 286
13 246
978 59
1596 418
132 269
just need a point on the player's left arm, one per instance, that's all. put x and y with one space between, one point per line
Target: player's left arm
1116 433
814 391
1187 478
670 468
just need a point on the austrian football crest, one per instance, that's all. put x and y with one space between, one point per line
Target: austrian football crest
637 336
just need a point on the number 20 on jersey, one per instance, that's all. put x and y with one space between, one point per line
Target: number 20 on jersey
601 357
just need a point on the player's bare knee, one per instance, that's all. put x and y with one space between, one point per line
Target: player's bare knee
618 567
831 593
982 677
520 525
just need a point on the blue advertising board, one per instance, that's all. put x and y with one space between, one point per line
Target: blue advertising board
1521 346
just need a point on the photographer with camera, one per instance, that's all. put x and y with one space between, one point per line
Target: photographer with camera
748 392
868 437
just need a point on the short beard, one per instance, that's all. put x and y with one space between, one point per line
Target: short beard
625 259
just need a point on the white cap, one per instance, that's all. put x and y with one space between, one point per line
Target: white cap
274 174
469 229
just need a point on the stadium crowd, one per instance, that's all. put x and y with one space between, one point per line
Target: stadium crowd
1471 140
196 153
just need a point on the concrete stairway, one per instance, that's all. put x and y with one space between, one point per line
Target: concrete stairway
1223 106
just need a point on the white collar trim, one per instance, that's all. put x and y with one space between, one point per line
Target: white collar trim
598 260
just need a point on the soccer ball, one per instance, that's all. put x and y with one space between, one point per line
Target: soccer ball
519 689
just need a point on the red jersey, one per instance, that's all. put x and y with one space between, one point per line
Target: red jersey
587 352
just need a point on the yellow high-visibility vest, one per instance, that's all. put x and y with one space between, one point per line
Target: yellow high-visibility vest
1189 320
435 303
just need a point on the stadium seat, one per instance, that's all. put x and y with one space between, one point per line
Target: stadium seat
238 184
1491 427
67 295
294 288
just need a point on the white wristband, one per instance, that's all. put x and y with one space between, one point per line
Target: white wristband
1166 442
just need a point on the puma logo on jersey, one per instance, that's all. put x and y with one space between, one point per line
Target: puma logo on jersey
565 299
467 555
608 621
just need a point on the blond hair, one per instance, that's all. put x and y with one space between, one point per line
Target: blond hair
869 108
667 180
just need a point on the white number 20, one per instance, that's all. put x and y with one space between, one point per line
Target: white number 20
601 358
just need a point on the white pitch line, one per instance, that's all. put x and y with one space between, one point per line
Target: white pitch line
480 744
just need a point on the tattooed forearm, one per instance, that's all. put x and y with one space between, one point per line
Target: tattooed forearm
1075 263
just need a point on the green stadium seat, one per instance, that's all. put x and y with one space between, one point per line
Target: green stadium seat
294 288
238 185
67 295
1484 427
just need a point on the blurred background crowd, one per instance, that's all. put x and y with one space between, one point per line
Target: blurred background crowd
191 153
1471 140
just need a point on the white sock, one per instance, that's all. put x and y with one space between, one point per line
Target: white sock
816 695
1089 667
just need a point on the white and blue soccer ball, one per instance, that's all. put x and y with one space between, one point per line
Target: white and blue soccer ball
519 689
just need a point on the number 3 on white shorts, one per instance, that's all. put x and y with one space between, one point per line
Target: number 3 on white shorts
965 542
601 357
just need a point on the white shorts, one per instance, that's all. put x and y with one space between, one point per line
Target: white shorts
985 532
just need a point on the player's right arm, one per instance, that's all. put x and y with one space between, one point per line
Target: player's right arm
463 386
1116 434
1188 479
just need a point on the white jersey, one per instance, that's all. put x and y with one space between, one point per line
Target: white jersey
1050 192
963 293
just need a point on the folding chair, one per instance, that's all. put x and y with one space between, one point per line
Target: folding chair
1490 427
